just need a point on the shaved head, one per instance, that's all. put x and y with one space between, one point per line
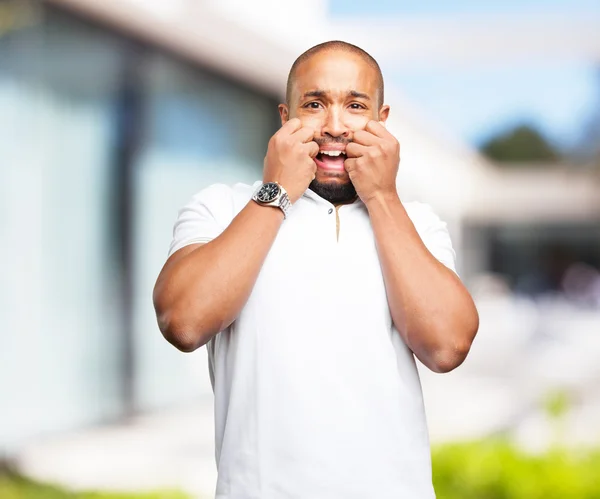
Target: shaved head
334 45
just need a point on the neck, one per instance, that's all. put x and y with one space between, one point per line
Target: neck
349 201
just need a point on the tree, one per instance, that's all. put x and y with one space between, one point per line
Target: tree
521 144
588 147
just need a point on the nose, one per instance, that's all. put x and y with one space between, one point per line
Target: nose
334 125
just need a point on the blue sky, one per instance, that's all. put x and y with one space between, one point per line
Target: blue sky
478 102
475 101
427 7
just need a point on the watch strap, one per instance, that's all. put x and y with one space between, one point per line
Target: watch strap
282 201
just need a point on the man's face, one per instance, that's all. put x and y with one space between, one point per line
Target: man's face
334 92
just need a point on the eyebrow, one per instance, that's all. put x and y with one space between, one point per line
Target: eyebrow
359 95
323 93
314 93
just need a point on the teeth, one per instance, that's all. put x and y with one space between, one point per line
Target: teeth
331 153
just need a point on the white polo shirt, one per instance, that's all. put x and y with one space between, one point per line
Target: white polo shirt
316 394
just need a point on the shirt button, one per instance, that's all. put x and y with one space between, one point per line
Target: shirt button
330 211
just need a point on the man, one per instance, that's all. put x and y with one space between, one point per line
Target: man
312 291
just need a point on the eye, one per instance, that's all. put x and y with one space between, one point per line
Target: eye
312 105
356 105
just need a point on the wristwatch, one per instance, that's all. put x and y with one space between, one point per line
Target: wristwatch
273 194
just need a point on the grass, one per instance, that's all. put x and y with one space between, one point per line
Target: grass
13 486
496 469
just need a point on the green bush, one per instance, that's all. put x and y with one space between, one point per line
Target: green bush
13 486
490 469
495 469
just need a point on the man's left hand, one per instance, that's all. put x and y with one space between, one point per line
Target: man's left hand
372 162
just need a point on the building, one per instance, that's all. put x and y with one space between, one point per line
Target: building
113 114
105 135
525 218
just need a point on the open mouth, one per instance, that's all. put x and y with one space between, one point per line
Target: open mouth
331 160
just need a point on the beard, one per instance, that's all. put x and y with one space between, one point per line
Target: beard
334 192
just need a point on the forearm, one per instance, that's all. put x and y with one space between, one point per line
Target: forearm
202 292
429 305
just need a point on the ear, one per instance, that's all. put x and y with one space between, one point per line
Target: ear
284 113
384 112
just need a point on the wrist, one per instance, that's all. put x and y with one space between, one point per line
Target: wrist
273 194
292 193
269 212
382 198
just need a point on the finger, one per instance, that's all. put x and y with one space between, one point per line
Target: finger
350 164
355 150
312 148
305 134
291 126
377 128
365 138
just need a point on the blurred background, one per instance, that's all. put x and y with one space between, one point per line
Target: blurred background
114 113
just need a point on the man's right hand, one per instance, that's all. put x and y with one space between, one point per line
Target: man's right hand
290 158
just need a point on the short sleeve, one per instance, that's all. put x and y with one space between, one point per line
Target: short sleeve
201 220
434 234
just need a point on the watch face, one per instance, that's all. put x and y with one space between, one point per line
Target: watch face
268 192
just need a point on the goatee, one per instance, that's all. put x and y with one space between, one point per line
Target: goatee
334 192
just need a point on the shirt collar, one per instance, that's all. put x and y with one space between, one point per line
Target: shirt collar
312 195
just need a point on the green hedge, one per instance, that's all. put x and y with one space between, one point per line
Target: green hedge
491 469
495 469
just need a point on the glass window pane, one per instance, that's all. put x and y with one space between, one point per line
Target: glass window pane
60 338
201 129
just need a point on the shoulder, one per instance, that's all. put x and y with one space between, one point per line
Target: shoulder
244 191
219 191
224 197
423 216
433 232
208 213
212 194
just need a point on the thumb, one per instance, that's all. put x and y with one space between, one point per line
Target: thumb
313 149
